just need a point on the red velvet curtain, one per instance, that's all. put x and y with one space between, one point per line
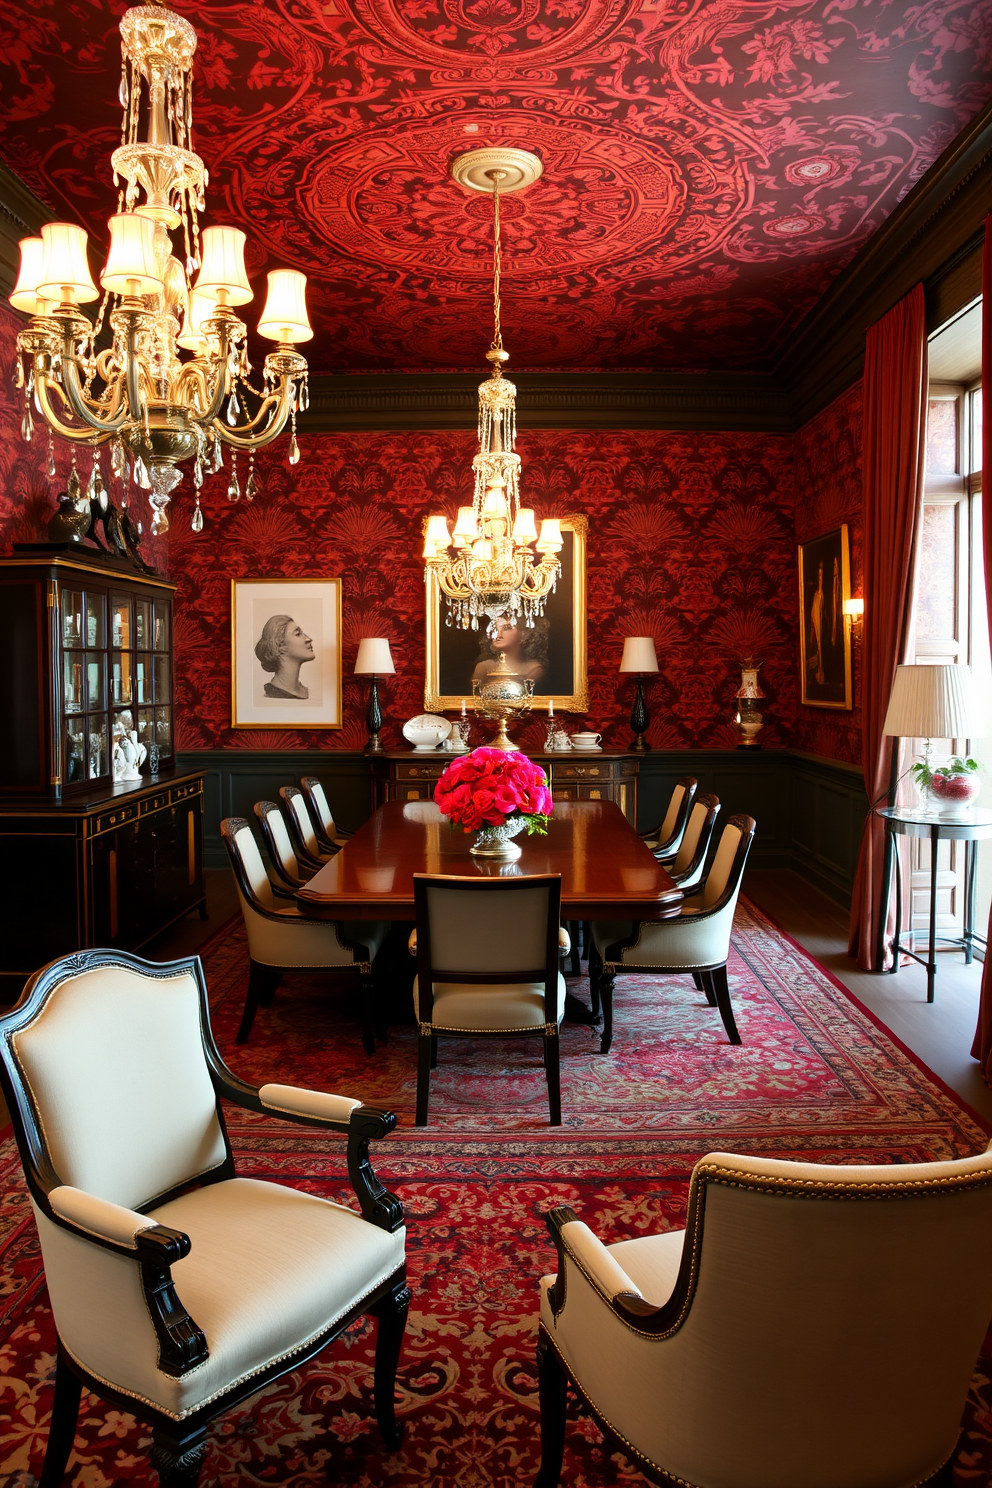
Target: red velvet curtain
895 402
982 1047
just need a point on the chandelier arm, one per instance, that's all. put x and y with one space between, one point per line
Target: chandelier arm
43 388
196 372
244 436
109 423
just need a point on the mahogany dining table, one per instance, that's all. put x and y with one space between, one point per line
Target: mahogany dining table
607 873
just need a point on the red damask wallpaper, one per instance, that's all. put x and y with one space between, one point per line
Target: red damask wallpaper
691 542
828 492
709 166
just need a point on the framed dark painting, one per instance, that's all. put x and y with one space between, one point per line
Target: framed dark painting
824 629
553 652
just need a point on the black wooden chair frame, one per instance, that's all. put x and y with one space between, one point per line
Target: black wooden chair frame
307 784
263 979
666 849
427 974
710 978
303 854
263 810
179 1446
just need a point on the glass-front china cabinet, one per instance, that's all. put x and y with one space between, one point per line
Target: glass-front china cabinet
104 829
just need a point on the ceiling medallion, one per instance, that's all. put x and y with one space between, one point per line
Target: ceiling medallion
500 565
137 394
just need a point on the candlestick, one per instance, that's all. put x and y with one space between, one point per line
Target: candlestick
551 707
464 710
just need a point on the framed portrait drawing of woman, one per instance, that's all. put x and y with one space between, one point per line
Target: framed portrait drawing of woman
824 629
285 653
553 652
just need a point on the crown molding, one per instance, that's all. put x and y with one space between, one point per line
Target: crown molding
933 236
551 400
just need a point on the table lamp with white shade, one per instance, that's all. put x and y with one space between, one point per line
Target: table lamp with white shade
374 661
934 702
639 659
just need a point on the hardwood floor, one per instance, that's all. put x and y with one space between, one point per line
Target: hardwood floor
938 1033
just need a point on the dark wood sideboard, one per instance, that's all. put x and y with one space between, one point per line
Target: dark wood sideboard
107 867
406 775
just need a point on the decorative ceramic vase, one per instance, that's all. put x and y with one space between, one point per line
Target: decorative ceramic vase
954 795
494 842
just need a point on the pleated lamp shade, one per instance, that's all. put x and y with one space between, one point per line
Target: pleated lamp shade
934 702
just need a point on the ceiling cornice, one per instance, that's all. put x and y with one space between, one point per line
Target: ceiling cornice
934 235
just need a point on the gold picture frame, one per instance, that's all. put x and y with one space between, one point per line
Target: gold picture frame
824 629
264 669
453 654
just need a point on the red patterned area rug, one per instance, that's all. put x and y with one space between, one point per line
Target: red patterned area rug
815 1078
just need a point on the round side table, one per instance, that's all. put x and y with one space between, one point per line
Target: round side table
906 822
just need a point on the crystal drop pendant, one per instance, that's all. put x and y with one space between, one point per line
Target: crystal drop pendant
198 473
294 451
52 472
233 409
27 426
72 485
251 488
234 489
122 93
197 520
117 463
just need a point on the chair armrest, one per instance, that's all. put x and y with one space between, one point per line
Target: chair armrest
564 941
317 1106
362 1125
98 1219
182 1345
576 1242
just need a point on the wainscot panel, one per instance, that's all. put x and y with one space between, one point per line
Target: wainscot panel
809 810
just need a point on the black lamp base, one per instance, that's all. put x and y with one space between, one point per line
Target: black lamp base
639 719
373 719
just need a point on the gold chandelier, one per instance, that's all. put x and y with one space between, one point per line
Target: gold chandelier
501 565
137 394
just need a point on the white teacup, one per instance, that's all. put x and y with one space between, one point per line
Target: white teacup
586 741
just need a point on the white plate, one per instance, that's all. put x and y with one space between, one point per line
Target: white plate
587 748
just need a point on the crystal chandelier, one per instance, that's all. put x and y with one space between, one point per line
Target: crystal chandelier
500 564
136 393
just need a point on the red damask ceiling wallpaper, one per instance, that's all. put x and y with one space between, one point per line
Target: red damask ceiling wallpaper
710 165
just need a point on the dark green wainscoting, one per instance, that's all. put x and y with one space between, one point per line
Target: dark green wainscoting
809 810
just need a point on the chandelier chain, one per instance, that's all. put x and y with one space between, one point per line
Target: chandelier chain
497 341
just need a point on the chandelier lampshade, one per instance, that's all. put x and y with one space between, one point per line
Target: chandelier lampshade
156 409
222 272
131 268
285 315
493 571
25 296
65 270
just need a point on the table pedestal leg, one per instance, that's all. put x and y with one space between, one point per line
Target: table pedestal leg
895 863
970 879
932 948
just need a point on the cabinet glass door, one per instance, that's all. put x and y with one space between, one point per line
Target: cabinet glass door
72 617
96 620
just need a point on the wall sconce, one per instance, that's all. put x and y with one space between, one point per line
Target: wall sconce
854 609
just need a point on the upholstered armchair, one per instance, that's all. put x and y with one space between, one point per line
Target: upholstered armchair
488 954
178 1288
697 940
664 839
689 864
811 1327
282 939
289 870
302 832
329 834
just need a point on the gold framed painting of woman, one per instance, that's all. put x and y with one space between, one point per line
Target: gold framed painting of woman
824 629
552 653
286 653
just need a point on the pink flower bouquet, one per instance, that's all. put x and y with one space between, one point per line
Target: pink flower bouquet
489 787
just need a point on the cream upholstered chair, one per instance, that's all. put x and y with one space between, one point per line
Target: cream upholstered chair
812 1326
487 964
689 864
179 1289
301 829
282 939
697 940
329 834
664 839
289 870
